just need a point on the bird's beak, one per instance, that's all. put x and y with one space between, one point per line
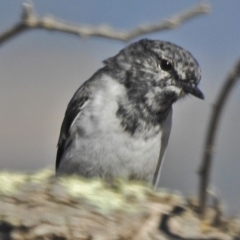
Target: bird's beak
192 90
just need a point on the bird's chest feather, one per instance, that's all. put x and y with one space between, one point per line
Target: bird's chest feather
108 147
101 138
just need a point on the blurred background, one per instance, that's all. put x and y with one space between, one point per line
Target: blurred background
40 71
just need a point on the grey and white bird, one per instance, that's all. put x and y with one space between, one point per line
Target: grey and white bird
118 122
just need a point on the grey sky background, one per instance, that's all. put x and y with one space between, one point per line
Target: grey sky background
40 71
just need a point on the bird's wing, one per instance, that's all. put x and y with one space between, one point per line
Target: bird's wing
166 129
74 108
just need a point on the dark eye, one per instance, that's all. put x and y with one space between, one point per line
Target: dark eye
166 65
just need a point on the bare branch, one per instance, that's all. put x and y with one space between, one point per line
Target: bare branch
204 172
31 21
12 32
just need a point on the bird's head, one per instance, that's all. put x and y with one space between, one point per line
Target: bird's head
158 72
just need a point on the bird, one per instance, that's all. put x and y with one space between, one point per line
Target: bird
118 122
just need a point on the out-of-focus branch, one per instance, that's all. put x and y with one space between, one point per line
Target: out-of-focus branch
205 168
30 20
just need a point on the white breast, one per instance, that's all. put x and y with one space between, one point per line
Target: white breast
102 148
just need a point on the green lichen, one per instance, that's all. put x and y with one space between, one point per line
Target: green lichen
119 196
41 176
9 182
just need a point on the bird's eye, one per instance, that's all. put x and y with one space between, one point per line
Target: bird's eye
166 65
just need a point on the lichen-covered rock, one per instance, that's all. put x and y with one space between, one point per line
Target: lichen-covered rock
40 206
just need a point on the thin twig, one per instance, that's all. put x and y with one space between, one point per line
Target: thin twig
12 32
31 21
204 172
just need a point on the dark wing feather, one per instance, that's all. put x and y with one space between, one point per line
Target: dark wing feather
73 109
